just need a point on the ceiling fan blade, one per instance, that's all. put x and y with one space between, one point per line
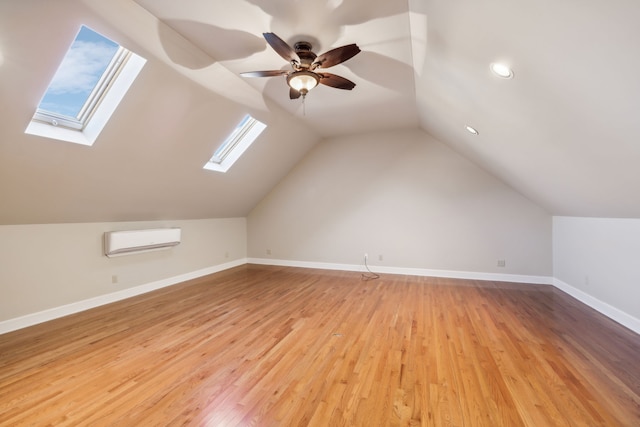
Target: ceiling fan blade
338 82
336 56
293 94
270 73
281 47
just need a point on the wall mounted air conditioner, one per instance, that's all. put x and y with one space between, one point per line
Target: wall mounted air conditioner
117 243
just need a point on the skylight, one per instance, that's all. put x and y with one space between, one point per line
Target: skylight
90 82
236 143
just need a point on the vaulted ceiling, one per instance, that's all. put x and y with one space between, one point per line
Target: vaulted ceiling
564 131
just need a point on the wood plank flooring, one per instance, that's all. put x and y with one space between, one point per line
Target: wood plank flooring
275 346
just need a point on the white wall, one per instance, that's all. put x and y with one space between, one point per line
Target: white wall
598 261
48 266
401 194
407 197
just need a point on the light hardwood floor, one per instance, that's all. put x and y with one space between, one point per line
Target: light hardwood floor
275 346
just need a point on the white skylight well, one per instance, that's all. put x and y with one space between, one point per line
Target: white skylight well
90 82
232 148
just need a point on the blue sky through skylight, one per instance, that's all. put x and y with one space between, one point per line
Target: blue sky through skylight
79 72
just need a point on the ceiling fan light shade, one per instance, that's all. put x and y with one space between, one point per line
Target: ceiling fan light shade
303 81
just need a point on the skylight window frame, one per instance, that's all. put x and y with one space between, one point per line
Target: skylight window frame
240 139
112 72
93 101
104 98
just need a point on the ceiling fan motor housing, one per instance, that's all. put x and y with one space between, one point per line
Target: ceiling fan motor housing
303 49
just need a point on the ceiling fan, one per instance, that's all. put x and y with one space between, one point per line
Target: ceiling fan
306 65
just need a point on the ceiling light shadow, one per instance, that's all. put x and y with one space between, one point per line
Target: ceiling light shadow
325 20
219 44
397 76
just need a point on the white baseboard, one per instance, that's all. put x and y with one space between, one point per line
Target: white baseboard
76 307
65 310
611 312
516 278
604 308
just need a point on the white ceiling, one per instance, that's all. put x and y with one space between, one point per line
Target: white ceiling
232 34
564 132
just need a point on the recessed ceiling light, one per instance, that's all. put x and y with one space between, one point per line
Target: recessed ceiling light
471 130
501 70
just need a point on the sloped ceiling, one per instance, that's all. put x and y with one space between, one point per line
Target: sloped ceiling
564 132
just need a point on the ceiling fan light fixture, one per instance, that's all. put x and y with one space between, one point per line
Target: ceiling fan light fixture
303 81
304 61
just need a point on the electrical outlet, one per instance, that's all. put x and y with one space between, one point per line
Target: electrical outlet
268 251
366 257
380 257
114 279
226 254
502 263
